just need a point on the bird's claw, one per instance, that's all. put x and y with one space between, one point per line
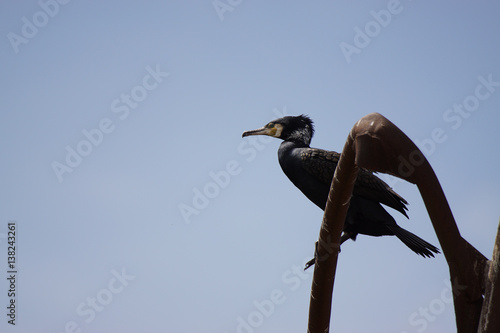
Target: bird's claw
313 260
310 263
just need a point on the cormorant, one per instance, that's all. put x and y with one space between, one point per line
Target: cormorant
311 171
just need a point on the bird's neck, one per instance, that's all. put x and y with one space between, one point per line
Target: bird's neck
299 138
291 144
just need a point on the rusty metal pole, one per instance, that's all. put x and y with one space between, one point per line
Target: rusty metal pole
490 315
329 241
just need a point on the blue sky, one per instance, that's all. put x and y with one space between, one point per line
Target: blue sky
139 207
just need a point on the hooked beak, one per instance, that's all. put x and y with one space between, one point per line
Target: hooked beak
273 130
259 131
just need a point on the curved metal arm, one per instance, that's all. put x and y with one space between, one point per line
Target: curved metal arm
377 144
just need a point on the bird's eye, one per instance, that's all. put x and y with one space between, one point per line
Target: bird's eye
270 125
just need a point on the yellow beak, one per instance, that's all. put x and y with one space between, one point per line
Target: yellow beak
261 131
273 130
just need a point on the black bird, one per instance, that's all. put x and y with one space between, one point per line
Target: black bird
312 169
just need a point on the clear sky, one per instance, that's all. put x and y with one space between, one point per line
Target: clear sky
138 207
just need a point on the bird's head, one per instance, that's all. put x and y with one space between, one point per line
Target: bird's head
289 128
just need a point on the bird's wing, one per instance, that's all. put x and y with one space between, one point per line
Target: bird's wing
371 187
322 163
319 163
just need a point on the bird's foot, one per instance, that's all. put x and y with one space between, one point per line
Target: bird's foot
313 260
345 236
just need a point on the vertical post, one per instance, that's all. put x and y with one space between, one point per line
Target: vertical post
490 315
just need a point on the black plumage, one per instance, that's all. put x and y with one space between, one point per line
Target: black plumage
311 170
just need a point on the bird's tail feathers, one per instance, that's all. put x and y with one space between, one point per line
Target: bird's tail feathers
415 243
